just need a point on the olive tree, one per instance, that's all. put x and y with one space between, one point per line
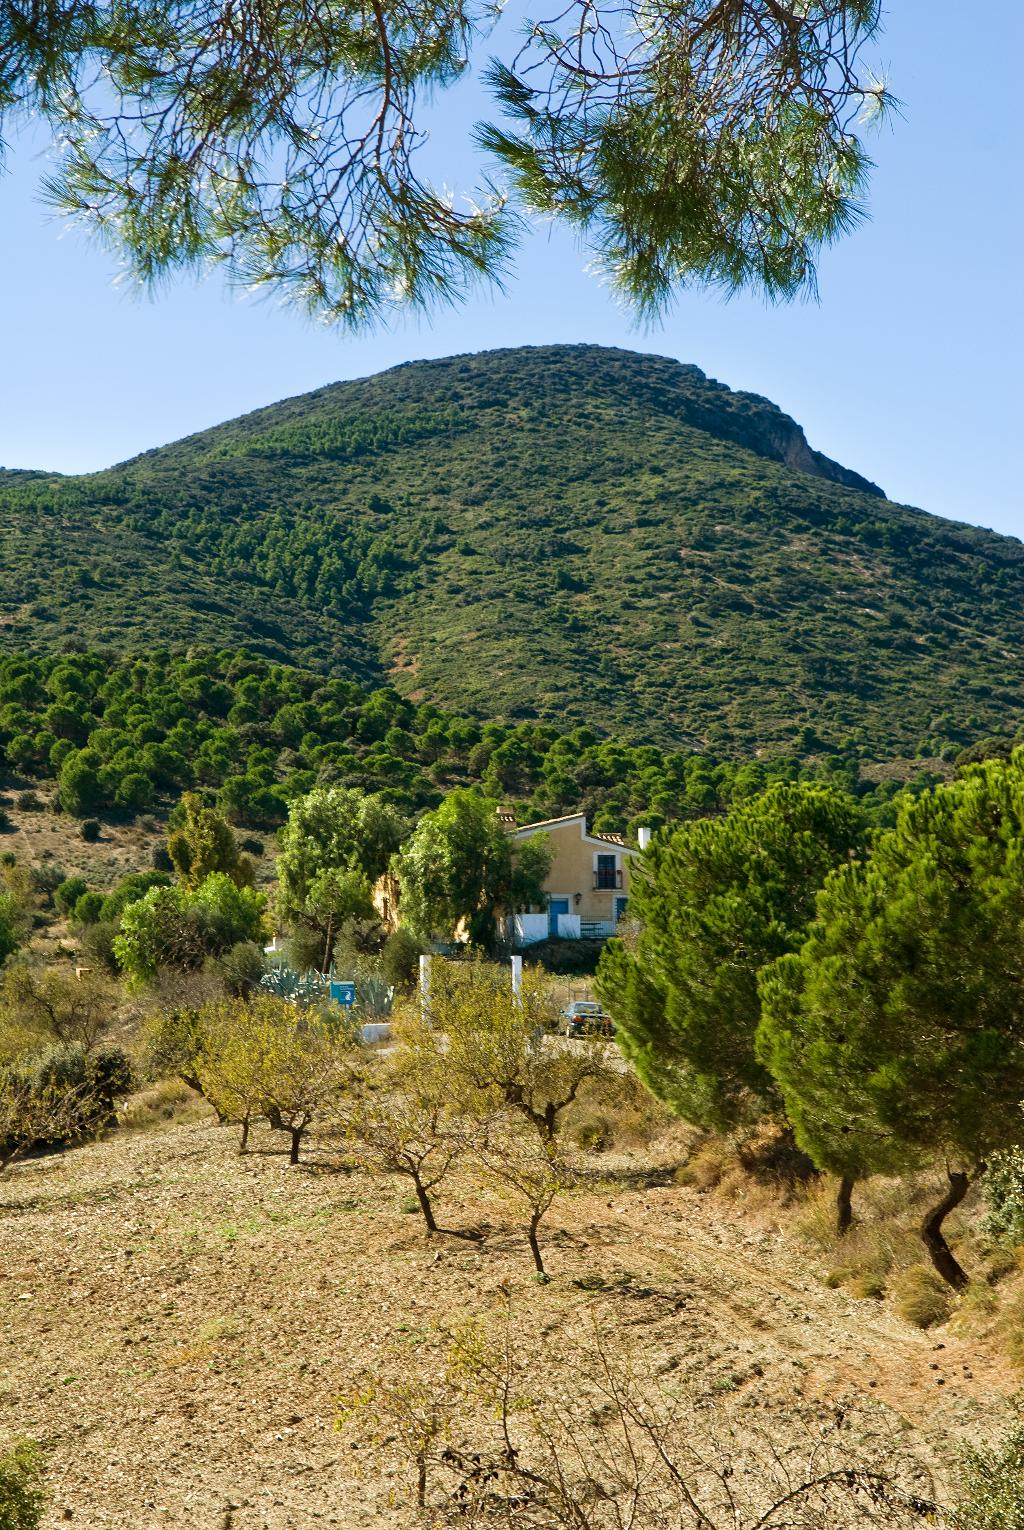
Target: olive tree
401 1117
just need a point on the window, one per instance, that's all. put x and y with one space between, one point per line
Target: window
606 873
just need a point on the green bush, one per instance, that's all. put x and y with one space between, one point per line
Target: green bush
867 1284
400 959
129 890
181 927
88 908
111 1078
1003 1189
90 830
21 1492
991 1489
11 925
69 893
242 967
98 942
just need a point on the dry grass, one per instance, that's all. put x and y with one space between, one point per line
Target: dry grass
884 1241
881 1258
757 1170
922 1297
617 1116
160 1103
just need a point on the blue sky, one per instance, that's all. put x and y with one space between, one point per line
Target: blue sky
907 369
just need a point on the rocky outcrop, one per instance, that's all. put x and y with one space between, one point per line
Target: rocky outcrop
756 423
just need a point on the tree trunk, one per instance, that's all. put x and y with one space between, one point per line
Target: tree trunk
844 1206
296 1131
244 1144
531 1233
192 1080
939 1251
425 1206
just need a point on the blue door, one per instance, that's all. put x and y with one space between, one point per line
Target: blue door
556 906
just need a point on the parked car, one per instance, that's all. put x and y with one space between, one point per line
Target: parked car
585 1017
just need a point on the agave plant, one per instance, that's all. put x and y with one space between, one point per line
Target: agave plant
302 989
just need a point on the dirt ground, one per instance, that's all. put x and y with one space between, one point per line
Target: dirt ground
178 1322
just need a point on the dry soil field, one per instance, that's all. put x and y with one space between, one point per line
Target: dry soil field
178 1323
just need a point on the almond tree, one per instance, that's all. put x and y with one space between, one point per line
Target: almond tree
522 1168
400 1118
268 1058
497 1050
608 1444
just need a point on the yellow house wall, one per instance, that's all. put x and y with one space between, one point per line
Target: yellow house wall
572 871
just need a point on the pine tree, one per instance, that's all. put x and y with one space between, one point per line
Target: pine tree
202 844
715 901
896 1033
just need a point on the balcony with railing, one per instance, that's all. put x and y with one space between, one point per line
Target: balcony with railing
607 878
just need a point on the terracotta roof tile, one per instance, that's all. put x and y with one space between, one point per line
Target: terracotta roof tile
544 823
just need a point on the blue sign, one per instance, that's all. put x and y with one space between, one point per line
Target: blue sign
344 994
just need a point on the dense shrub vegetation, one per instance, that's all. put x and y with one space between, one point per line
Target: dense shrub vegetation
581 536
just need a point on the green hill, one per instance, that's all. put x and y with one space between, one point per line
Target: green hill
569 533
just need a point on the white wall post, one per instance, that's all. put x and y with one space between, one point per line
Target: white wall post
425 988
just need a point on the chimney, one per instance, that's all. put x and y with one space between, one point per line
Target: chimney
643 835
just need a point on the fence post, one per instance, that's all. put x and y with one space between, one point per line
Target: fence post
517 978
425 988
